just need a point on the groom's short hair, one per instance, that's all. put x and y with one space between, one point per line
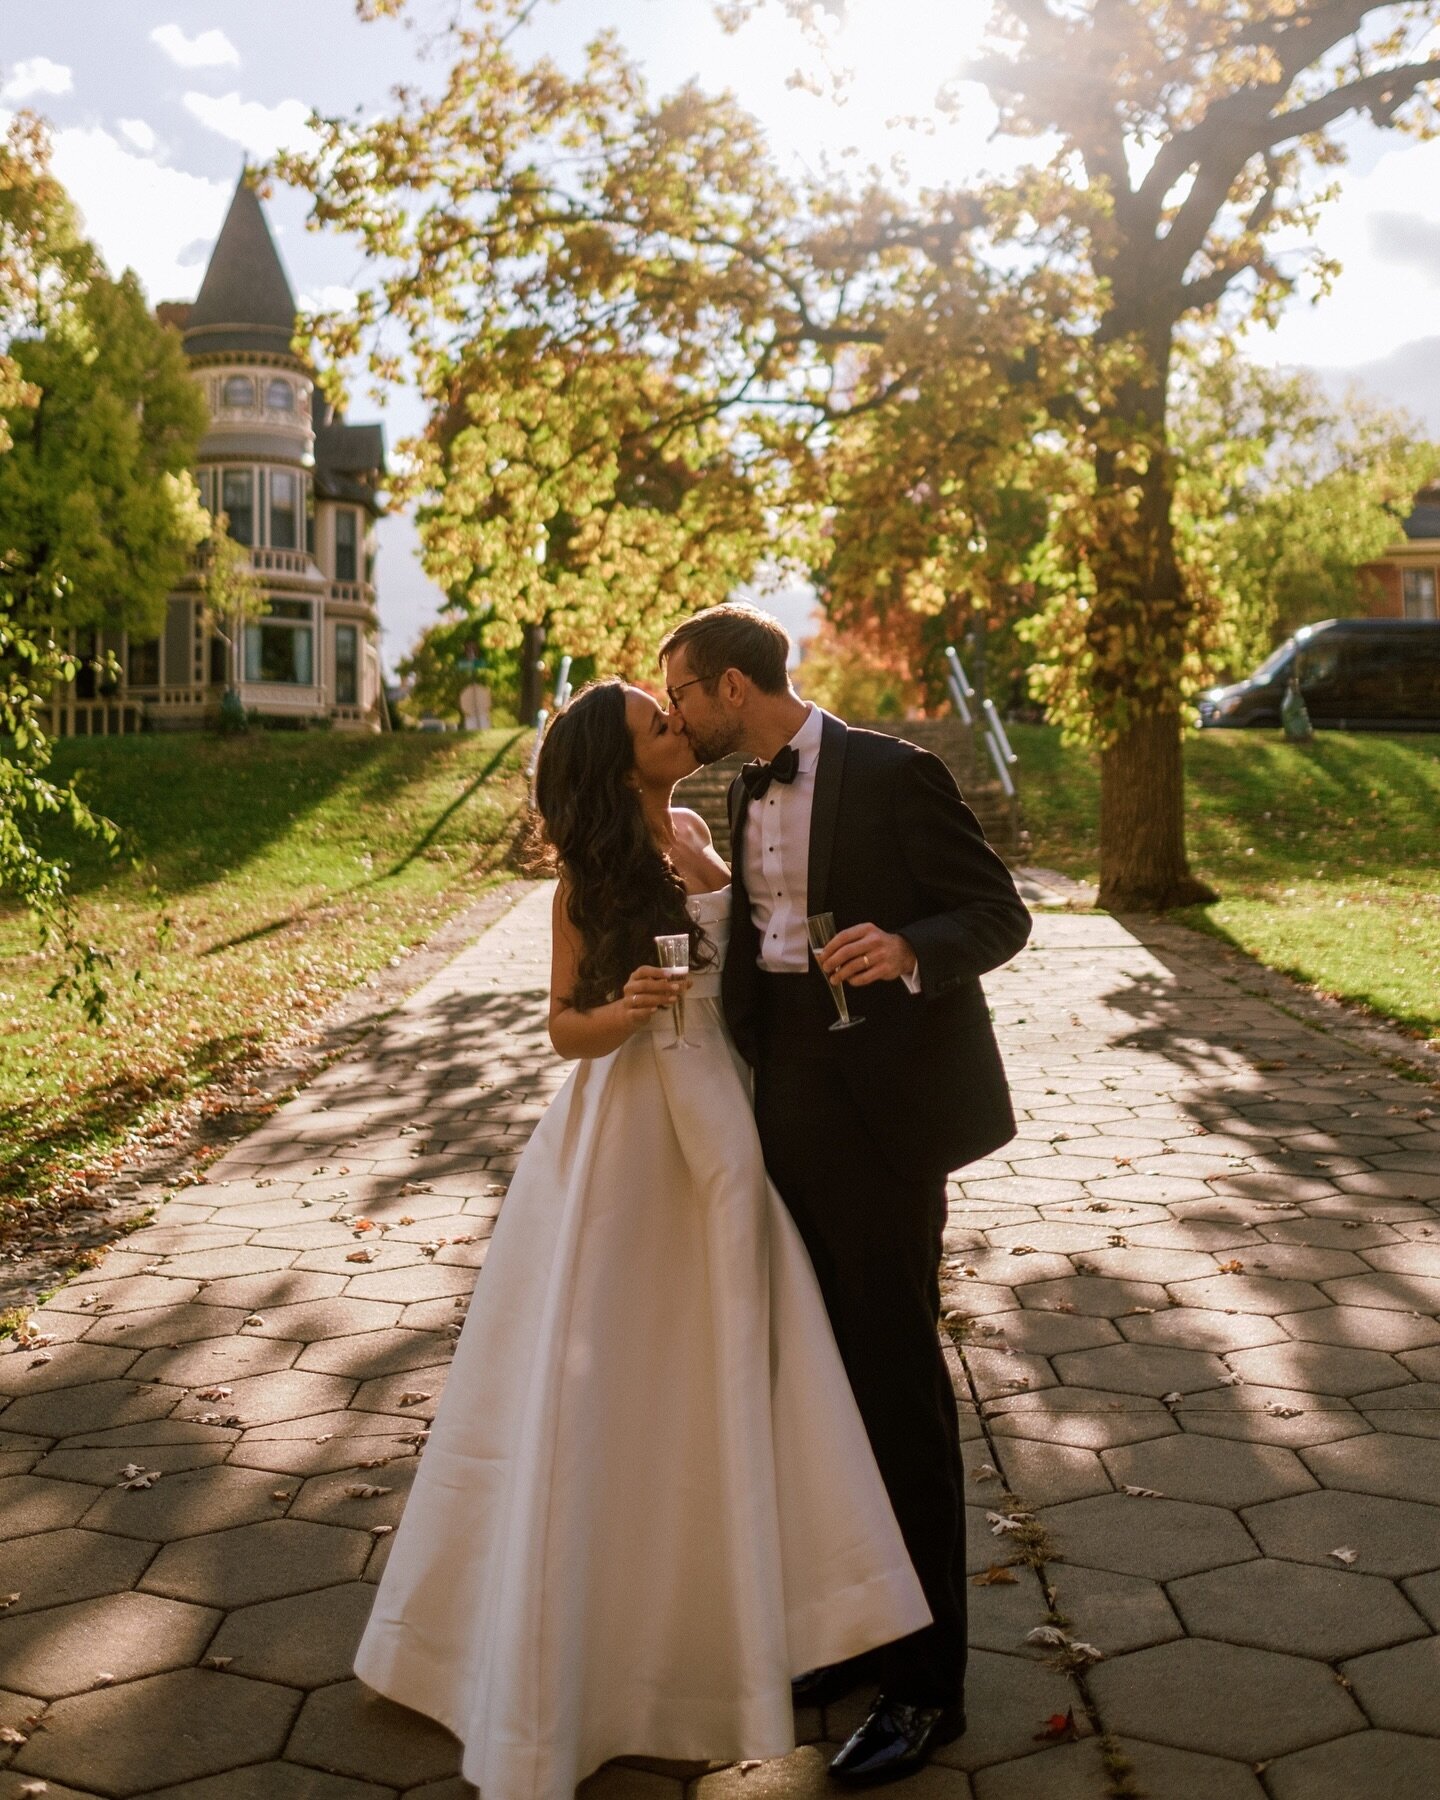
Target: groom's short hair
734 635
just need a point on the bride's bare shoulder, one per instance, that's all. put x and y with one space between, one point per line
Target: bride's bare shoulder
691 828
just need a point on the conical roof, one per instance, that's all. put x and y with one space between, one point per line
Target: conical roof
245 301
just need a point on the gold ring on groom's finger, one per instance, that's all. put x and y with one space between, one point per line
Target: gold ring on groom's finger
867 962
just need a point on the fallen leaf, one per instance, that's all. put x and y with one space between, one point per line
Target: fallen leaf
1022 1250
28 1789
133 1476
746 1767
1002 1523
986 1472
361 1256
997 1575
1046 1634
216 1662
365 1490
1081 1651
413 1397
1142 1493
1344 1555
9 1735
324 1437
405 1219
282 1494
1064 1306
1277 1411
1060 1728
39 1362
8 1600
212 1393
1233 1267
373 1462
1171 1399
254 1319
1232 1380
381 1530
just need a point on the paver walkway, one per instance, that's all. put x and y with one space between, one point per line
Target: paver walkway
1197 1353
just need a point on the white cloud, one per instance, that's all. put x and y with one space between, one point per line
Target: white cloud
261 130
138 133
333 297
206 50
142 215
38 75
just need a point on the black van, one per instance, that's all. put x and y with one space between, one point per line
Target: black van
1355 674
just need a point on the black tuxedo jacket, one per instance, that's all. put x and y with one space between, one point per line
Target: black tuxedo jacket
893 844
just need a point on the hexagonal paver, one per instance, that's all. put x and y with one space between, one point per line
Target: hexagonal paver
129 1293
55 1566
89 1406
351 1731
102 1466
1115 1612
163 1325
1197 1328
230 1260
205 1361
387 1393
270 1293
1085 1417
257 1562
1398 1293
423 1282
1159 1538
1151 1369
1270 1416
65 1648
324 1497
285 1394
303 1640
1223 1699
1391 1537
62 1365
31 1503
1319 1368
1215 1471
389 1351
278 1781
1367 1762
1044 1474
1400 1688
1159 1769
1405 1468
163 1728
1101 1296
1250 1294
185 1504
327 1316
1327 1613
1366 1327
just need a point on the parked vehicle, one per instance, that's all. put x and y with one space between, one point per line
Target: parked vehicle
1354 674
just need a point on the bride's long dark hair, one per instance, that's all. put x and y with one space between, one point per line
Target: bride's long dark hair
622 889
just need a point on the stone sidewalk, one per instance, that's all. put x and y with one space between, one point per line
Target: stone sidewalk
1194 1311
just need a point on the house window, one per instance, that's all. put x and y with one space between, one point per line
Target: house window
1418 587
219 662
280 397
347 544
284 510
205 481
282 646
310 518
347 665
143 664
239 390
237 497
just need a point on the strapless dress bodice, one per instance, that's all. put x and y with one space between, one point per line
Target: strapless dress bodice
711 912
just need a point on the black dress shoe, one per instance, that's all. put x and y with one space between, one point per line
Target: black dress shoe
823 1687
896 1739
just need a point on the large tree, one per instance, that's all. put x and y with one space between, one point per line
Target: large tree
1040 315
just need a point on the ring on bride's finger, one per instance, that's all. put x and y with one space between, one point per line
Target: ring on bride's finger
867 962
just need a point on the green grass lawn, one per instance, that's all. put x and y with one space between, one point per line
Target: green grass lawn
277 871
1326 855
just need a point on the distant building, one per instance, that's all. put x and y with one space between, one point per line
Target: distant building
300 488
1405 578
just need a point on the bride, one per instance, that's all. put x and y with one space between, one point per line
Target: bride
647 1501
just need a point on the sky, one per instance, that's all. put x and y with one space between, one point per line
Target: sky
155 104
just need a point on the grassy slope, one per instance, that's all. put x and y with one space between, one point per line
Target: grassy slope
288 868
1326 855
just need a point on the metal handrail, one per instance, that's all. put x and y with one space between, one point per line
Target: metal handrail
997 731
961 692
562 682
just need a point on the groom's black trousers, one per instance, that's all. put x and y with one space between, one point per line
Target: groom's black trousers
873 1227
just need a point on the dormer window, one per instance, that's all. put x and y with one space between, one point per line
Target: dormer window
347 544
284 510
238 391
280 397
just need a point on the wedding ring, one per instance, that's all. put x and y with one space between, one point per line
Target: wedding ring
867 962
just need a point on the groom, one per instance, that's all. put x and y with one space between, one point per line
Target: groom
861 1127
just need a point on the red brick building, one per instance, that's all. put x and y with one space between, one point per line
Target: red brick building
1407 578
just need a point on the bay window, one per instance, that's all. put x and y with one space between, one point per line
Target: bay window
347 665
284 509
237 500
281 646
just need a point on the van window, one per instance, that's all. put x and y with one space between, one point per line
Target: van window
1275 661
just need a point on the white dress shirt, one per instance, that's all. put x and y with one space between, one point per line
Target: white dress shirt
777 857
776 860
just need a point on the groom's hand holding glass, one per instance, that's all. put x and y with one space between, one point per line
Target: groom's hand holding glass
862 954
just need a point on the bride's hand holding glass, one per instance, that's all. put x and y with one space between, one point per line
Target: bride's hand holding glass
649 989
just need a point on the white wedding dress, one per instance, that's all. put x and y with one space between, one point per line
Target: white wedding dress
647 1499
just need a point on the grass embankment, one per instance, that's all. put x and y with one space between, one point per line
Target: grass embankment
277 871
1326 855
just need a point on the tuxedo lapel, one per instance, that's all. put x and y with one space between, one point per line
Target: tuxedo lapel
825 810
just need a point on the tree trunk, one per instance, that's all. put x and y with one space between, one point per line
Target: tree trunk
1143 867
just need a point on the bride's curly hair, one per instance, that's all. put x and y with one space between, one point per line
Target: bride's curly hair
621 888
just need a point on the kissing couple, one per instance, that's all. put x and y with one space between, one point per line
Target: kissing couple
698 1458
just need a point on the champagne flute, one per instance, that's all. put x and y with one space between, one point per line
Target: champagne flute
821 928
674 954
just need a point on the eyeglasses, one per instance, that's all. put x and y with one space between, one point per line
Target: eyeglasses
673 694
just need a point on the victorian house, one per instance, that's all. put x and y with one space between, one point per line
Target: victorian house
300 488
1406 580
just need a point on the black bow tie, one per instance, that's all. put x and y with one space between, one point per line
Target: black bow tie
757 775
